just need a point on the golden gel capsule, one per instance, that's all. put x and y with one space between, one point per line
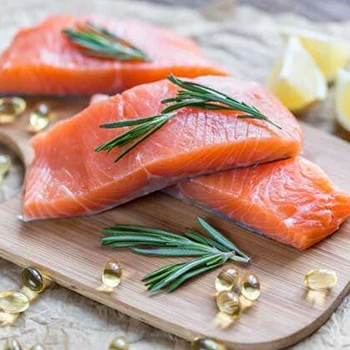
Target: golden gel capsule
206 344
13 302
39 118
249 286
320 279
111 274
37 347
228 302
227 279
11 108
119 343
5 165
33 279
12 344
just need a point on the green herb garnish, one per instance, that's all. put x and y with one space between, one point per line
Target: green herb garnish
211 252
193 95
99 42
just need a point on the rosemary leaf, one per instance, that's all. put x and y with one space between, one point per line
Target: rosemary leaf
161 270
182 270
124 139
142 138
143 239
179 281
126 244
220 238
134 136
163 236
121 229
171 251
129 122
160 276
204 240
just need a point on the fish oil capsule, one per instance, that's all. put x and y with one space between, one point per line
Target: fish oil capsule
249 286
13 302
5 165
228 302
227 279
111 274
33 279
39 118
11 108
37 347
119 343
12 344
206 344
320 279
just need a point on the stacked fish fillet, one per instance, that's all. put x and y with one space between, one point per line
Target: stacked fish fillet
245 169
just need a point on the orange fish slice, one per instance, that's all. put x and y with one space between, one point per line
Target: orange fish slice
68 178
292 201
41 60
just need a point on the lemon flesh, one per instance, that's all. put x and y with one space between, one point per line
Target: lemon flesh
342 98
296 79
330 53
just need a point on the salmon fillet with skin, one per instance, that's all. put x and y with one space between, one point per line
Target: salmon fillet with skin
41 60
68 178
292 201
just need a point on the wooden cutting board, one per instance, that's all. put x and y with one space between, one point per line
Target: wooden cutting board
286 312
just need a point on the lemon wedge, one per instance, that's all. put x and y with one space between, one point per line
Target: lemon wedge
342 98
296 79
330 53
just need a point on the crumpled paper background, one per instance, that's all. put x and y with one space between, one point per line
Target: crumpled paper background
245 41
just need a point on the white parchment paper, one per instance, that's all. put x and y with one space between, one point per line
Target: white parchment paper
246 42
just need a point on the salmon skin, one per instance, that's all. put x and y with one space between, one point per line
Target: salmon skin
292 201
42 61
68 178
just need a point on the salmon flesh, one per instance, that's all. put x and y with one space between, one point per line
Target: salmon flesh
67 177
292 201
42 61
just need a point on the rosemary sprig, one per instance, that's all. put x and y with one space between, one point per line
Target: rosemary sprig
99 42
190 95
211 252
144 128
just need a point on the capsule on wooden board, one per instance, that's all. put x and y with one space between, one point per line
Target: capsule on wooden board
320 279
228 302
227 279
249 286
112 273
39 118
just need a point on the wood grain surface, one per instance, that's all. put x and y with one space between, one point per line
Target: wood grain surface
70 251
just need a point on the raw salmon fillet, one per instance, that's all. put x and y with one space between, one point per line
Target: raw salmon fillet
41 60
68 178
292 200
